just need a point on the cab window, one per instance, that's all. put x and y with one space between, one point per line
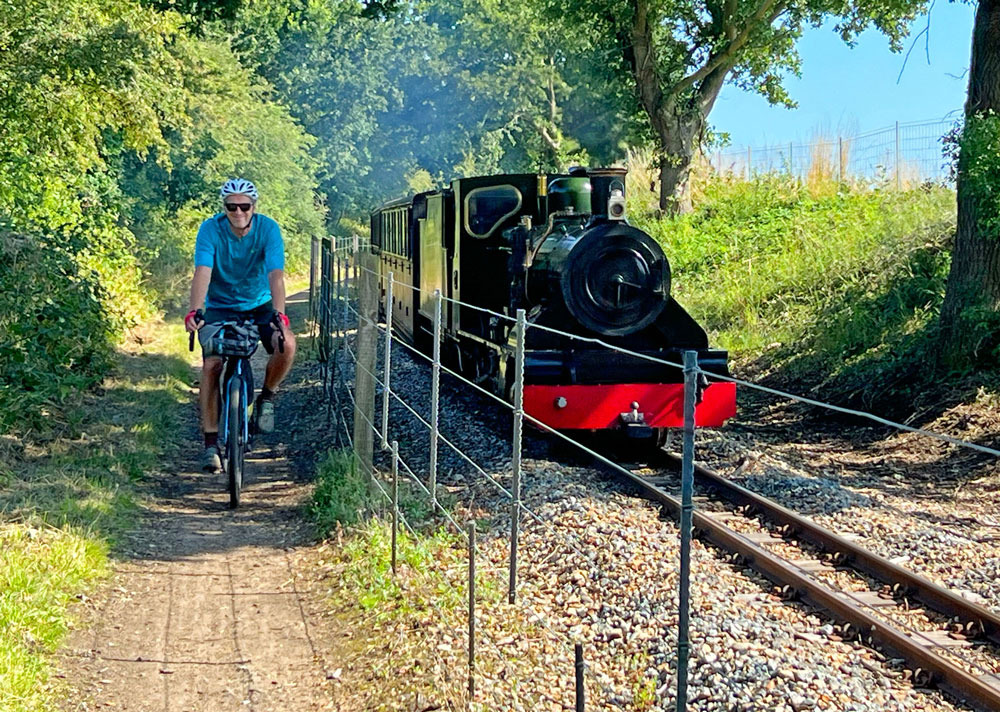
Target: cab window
486 208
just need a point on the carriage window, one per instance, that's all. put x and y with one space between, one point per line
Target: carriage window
486 208
395 233
399 233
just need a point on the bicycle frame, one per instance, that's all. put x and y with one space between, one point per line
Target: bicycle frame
234 367
236 382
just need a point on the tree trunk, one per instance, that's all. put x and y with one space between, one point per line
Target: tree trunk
974 279
678 125
678 142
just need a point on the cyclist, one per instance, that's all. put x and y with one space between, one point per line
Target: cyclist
239 261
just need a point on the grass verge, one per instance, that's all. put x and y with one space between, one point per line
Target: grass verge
833 285
67 496
406 645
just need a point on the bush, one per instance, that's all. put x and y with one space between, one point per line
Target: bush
58 320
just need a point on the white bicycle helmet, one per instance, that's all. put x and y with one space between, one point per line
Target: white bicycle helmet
238 186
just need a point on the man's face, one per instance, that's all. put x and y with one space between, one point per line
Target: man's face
239 209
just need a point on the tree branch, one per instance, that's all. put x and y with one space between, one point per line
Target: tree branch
769 9
544 133
710 88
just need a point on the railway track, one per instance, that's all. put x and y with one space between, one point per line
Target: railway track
945 640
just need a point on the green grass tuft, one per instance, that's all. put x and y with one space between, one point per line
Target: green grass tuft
342 496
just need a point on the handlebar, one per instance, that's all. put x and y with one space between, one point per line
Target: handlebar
281 340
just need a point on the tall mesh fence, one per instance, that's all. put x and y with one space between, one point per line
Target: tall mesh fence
898 155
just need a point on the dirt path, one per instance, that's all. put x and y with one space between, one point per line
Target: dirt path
208 608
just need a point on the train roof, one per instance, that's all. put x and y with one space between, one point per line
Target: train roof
498 178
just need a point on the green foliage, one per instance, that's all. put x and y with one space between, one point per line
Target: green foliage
40 570
57 338
435 87
116 127
829 282
431 560
228 129
977 144
678 54
342 496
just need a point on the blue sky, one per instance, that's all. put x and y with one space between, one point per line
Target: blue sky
848 90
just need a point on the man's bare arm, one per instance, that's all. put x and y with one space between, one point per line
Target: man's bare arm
276 278
199 286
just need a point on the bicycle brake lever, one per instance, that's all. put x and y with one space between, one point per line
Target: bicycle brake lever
190 341
281 342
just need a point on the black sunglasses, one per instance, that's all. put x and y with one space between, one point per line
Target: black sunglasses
245 207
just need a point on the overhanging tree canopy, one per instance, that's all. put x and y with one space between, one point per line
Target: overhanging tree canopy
678 54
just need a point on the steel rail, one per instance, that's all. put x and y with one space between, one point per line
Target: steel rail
982 692
976 619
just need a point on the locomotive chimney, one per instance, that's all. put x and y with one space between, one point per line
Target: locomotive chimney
608 197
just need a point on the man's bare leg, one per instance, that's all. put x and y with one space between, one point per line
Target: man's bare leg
208 398
278 367
280 363
208 395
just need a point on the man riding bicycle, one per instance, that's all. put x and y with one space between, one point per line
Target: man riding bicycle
239 260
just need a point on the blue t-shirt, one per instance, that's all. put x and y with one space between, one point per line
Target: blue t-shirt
240 265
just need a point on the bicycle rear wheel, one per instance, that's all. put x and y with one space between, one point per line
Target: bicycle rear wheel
234 441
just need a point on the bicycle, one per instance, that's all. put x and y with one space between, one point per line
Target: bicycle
235 341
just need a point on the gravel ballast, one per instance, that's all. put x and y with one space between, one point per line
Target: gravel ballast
601 568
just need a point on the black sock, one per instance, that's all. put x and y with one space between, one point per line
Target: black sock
266 394
211 439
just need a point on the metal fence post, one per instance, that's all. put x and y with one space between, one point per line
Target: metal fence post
578 655
345 296
355 254
435 397
395 500
313 265
364 373
687 496
335 294
749 161
324 294
515 461
387 359
472 611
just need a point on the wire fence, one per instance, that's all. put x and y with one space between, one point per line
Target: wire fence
899 156
355 350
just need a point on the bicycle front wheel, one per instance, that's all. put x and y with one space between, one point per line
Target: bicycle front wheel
234 443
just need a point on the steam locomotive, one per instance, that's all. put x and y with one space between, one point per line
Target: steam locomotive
559 247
